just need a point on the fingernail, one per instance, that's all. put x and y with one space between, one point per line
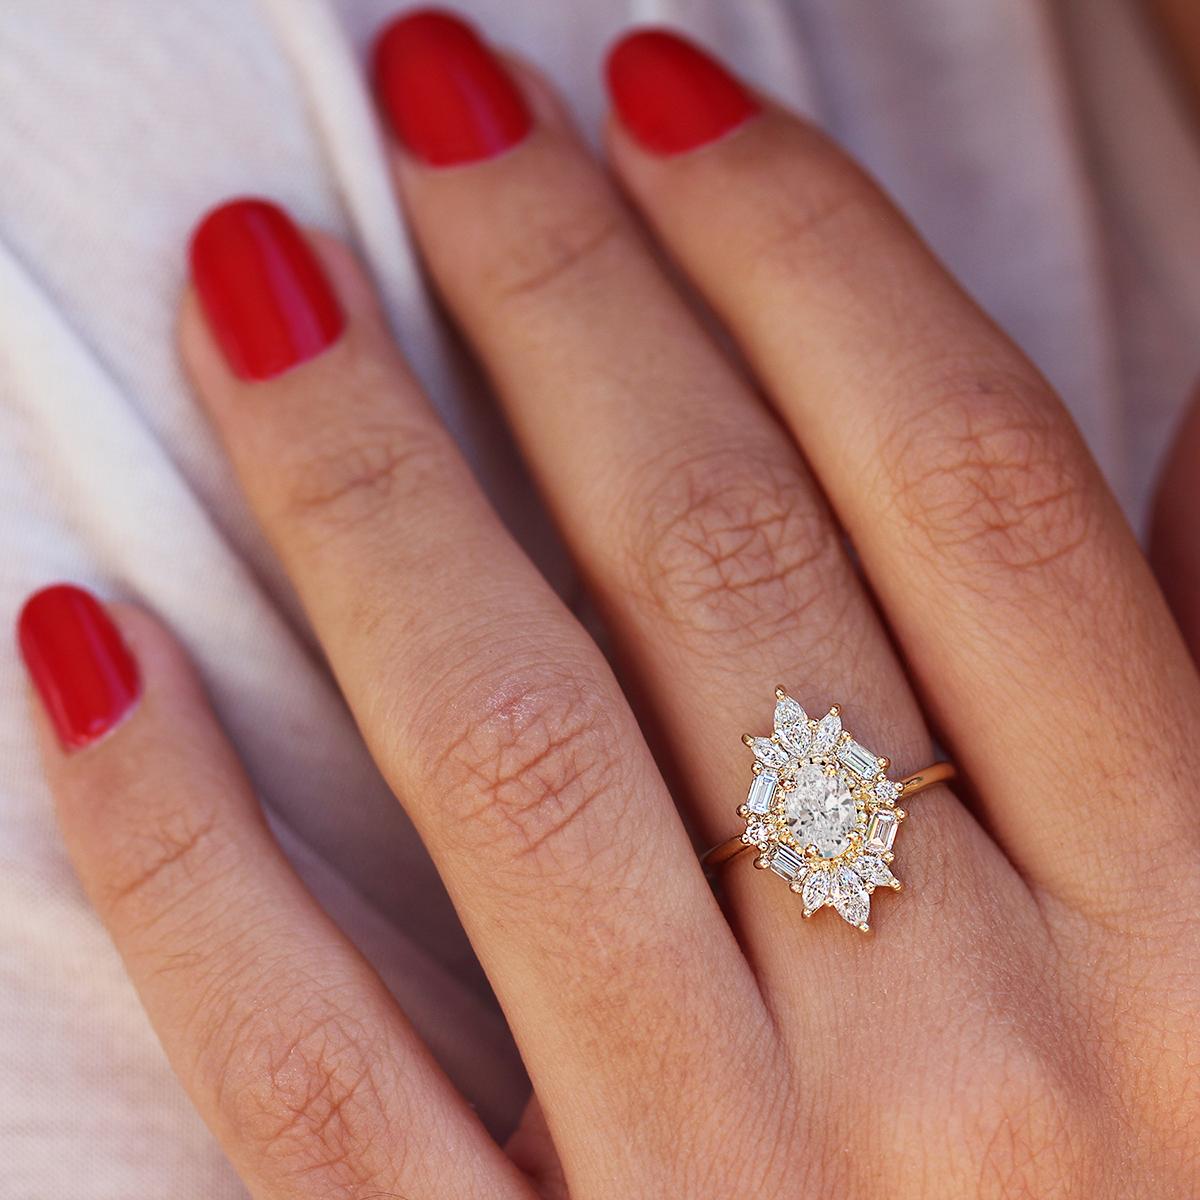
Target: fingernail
447 97
85 676
265 296
671 95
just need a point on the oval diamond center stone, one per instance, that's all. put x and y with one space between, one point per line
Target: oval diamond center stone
820 810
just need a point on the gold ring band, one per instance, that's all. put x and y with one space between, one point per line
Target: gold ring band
726 851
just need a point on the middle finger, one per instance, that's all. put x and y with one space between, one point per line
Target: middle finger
483 702
692 513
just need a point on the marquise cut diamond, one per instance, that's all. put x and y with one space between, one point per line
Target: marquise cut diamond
816 890
768 753
828 732
788 712
786 863
791 725
850 897
797 738
872 869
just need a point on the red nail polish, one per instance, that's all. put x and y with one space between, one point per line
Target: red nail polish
85 676
447 97
264 294
671 95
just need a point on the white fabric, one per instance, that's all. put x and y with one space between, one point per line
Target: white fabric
1038 149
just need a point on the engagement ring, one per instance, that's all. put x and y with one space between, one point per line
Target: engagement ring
822 813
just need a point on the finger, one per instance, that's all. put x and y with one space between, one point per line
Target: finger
285 1039
719 568
1175 530
691 508
532 1149
489 712
1020 598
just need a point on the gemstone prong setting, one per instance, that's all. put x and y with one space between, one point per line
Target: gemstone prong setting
821 811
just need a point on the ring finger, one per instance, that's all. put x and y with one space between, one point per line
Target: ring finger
1012 582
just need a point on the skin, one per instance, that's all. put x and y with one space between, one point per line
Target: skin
1020 1022
1177 24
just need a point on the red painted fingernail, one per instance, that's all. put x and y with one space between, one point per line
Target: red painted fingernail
86 677
671 95
447 97
264 294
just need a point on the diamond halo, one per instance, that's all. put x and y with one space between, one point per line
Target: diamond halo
822 812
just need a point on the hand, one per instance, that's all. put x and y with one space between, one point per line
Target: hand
1021 1021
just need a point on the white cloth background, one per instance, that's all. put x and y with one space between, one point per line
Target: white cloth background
1038 148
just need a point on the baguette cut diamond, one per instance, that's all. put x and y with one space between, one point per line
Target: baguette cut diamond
881 832
859 759
762 792
786 863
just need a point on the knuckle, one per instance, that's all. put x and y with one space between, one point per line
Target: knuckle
810 204
534 768
1009 1102
1024 1133
355 461
732 549
993 477
300 1082
556 247
823 219
170 855
357 476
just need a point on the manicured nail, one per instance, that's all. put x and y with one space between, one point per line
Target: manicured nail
671 95
447 97
85 676
264 294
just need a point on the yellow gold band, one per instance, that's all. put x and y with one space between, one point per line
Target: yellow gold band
939 772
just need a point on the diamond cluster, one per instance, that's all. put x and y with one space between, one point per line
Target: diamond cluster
822 811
